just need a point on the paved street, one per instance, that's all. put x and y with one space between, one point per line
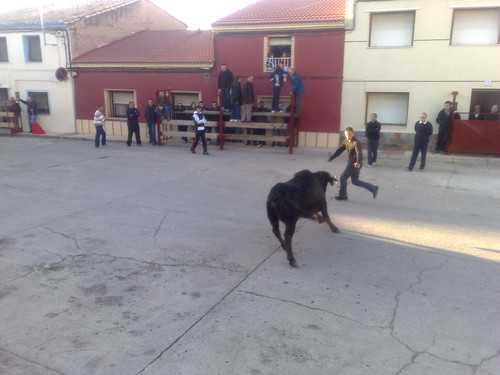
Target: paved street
152 260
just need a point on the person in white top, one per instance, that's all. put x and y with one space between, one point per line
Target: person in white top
199 130
99 119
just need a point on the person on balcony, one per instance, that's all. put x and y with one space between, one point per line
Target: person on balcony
297 90
494 115
277 78
476 114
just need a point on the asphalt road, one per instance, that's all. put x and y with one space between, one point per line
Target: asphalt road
152 260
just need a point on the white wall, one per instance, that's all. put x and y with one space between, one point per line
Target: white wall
429 70
21 76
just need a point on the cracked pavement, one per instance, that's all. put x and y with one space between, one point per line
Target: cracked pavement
152 260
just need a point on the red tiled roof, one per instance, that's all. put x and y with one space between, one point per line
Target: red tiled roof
155 47
286 11
60 12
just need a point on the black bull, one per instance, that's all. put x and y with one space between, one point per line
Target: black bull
302 196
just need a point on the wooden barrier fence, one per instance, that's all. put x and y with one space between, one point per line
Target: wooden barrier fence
277 131
8 118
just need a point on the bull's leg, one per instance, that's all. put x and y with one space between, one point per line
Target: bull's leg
326 217
319 217
277 233
289 231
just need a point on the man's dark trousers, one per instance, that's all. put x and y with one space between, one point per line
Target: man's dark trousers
418 146
133 129
352 172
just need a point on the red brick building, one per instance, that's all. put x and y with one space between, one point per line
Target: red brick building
308 34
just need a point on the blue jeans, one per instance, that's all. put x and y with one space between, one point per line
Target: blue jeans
225 98
372 146
31 120
99 132
152 132
352 172
276 98
236 112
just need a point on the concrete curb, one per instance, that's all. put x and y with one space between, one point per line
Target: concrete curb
487 159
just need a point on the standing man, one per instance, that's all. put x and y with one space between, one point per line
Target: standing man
353 167
236 100
133 124
225 81
277 78
199 130
372 139
15 108
248 100
444 121
423 131
297 90
150 114
99 126
32 111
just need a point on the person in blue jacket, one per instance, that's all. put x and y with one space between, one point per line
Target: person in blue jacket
297 90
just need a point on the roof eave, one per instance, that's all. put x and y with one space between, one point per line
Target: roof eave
306 26
31 26
141 66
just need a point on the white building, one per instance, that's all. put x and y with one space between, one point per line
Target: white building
37 46
406 57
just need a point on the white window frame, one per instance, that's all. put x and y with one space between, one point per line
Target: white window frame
41 98
4 51
271 62
392 29
112 102
475 26
31 48
391 107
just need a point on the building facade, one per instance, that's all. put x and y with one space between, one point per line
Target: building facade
135 68
38 45
308 35
406 57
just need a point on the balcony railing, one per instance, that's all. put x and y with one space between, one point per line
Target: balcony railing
272 62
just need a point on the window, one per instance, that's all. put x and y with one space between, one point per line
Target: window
186 98
391 108
4 55
476 26
32 49
41 98
278 49
119 102
392 29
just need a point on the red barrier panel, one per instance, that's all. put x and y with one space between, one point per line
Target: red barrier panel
475 136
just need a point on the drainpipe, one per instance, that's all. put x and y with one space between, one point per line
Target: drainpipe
350 15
